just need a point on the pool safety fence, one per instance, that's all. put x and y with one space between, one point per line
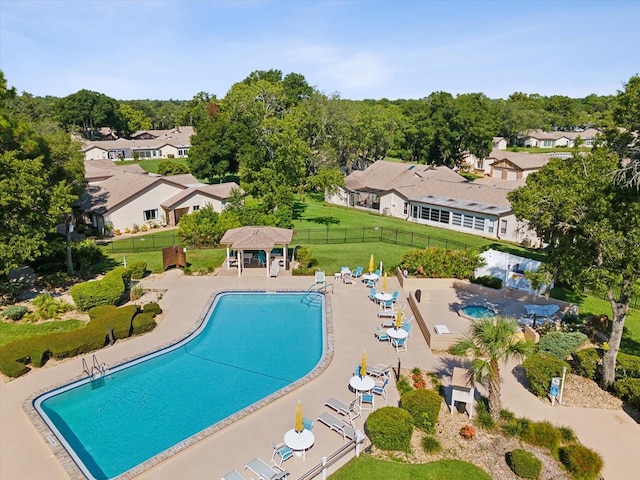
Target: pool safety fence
322 468
326 236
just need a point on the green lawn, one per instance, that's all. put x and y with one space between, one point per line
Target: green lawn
11 331
152 165
366 466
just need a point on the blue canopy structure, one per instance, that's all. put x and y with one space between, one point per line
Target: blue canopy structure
541 310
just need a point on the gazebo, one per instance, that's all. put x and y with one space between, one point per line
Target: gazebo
255 238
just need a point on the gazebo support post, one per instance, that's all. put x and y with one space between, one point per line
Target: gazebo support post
285 257
268 255
227 258
240 262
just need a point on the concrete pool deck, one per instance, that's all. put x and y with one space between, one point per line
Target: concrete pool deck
25 453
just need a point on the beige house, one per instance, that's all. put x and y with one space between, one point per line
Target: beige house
435 196
146 144
121 198
515 165
542 139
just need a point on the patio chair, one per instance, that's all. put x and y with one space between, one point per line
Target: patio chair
307 423
264 471
400 344
381 336
262 259
395 294
379 370
356 371
233 475
367 402
381 389
334 423
282 452
358 272
351 410
371 283
406 326
372 294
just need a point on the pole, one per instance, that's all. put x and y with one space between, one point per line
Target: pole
564 373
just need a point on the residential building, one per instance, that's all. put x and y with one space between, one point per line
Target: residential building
436 196
146 144
124 198
542 139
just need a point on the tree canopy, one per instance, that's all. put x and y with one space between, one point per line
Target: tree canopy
592 227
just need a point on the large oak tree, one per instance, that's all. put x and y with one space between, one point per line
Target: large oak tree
592 226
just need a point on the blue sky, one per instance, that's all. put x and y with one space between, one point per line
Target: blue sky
359 49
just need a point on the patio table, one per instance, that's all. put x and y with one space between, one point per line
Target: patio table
299 442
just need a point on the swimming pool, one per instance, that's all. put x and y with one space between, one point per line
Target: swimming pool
249 346
475 312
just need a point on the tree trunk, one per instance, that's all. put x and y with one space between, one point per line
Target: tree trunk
619 307
67 224
494 391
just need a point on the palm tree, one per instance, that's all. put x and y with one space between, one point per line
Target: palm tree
490 342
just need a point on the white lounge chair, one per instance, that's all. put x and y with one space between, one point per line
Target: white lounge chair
264 472
378 370
233 475
351 411
334 423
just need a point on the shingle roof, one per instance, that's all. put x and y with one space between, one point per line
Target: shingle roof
174 137
220 191
383 176
253 238
522 160
538 134
102 169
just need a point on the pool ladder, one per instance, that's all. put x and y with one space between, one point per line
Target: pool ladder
97 369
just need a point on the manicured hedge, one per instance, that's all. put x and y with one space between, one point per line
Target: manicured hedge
107 291
424 407
524 464
125 321
15 312
628 389
152 308
540 368
488 281
390 428
138 269
627 366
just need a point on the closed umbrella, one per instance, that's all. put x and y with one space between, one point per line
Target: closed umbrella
299 424
371 264
399 320
363 366
384 282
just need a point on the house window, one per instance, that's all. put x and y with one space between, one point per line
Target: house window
490 225
406 208
457 219
467 221
503 227
183 152
150 215
195 207
479 223
414 211
444 216
424 214
547 143
480 164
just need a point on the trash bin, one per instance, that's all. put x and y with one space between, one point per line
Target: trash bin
418 295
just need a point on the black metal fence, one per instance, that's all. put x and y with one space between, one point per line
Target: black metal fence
157 242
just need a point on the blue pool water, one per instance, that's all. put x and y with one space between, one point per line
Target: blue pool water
249 346
477 311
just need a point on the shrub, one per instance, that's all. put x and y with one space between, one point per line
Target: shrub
431 444
628 389
56 280
138 269
15 312
524 464
143 322
567 434
627 366
561 344
49 307
303 255
542 434
468 432
51 267
390 428
403 386
136 292
107 291
582 462
488 281
152 308
540 368
9 291
424 407
483 417
437 262
586 362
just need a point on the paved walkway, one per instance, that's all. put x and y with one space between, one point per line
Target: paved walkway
25 454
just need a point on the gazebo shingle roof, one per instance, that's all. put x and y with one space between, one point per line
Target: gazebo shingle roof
256 238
